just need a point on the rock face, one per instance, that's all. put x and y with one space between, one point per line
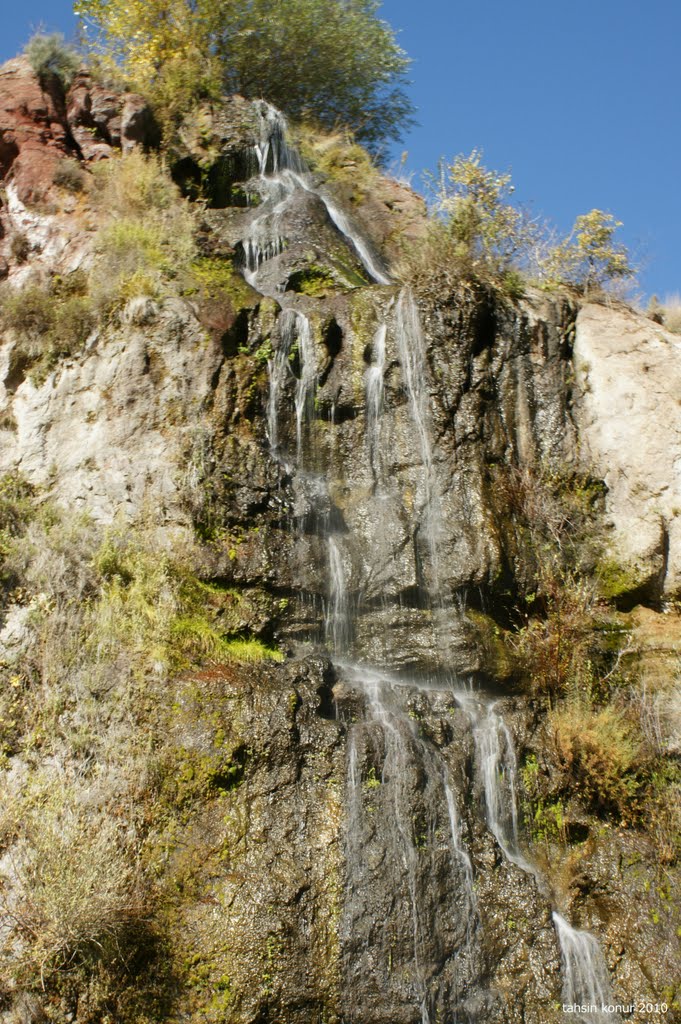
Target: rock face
102 120
340 445
39 126
629 373
33 135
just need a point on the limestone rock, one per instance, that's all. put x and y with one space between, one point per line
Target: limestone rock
629 374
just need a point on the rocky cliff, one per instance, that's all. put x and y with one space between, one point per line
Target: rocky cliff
439 509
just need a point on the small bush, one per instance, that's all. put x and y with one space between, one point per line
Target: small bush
28 312
339 159
50 57
72 893
602 753
133 186
150 234
671 313
589 258
69 175
20 247
50 321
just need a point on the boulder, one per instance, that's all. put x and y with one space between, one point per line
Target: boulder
628 369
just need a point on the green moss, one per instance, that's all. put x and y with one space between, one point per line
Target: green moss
251 651
312 280
491 639
218 277
617 580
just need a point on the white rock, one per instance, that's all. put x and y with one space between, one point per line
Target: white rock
628 370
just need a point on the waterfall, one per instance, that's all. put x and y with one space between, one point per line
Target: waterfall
411 348
585 975
497 766
374 397
281 174
296 347
337 620
407 796
411 927
307 380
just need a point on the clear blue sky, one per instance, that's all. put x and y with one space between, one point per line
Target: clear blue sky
579 99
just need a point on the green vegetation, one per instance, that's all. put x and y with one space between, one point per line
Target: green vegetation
349 69
69 175
76 897
50 321
338 158
477 234
145 242
598 756
589 258
148 235
123 746
51 58
667 313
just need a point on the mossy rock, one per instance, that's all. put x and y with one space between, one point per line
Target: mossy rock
622 583
497 662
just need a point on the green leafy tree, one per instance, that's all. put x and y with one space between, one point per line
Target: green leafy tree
349 69
474 204
589 257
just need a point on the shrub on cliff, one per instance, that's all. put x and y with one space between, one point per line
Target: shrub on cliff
50 57
477 233
590 257
49 321
72 893
335 62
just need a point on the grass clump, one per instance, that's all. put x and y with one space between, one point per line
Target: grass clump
69 175
602 752
76 896
339 159
667 313
20 247
17 509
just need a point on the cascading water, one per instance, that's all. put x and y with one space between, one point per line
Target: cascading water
282 174
374 398
411 348
585 975
404 813
337 619
295 349
410 946
496 761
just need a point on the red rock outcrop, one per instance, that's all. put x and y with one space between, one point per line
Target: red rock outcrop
39 126
33 135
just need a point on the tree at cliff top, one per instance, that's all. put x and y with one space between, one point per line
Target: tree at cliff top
477 233
332 61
